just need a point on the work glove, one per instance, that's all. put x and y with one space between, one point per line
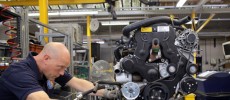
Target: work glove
113 94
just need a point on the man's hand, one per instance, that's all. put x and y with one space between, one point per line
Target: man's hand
111 94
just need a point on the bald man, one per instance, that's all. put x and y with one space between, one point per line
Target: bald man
27 79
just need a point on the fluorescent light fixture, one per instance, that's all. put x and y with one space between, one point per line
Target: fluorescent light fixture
99 42
67 13
79 13
50 14
38 25
33 14
85 42
180 3
53 13
108 23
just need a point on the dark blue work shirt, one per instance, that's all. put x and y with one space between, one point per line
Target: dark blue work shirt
23 78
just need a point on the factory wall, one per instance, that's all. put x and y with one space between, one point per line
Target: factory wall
107 53
210 53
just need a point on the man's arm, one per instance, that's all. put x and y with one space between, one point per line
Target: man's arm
39 95
83 85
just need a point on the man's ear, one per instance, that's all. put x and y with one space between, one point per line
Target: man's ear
46 57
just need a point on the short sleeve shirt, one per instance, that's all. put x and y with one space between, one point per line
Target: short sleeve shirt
23 78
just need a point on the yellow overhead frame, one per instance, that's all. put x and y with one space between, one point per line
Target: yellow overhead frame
193 25
50 2
89 42
205 23
43 10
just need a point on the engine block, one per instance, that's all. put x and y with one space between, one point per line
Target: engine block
157 54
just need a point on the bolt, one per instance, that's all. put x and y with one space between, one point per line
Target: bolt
152 97
172 69
159 98
192 69
160 91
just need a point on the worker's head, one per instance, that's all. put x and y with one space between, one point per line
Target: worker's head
54 59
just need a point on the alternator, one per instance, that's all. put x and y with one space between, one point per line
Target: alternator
187 43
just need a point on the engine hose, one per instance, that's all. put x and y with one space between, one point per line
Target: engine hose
150 21
117 53
12 34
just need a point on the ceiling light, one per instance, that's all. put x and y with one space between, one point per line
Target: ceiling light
99 42
180 3
53 13
50 14
33 14
107 23
38 25
66 13
79 13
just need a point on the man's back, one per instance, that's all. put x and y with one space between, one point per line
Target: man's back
19 80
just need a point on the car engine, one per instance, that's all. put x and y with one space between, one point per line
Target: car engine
154 59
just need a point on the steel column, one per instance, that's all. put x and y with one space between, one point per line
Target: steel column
24 40
89 44
43 10
193 25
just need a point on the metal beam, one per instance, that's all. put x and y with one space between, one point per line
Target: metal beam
50 7
89 44
200 4
149 12
166 11
128 18
216 34
131 4
51 2
44 25
88 26
59 7
99 19
193 25
217 19
34 7
122 4
205 23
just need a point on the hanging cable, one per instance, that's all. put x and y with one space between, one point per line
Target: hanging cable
11 33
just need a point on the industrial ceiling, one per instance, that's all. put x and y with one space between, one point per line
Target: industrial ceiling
135 10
